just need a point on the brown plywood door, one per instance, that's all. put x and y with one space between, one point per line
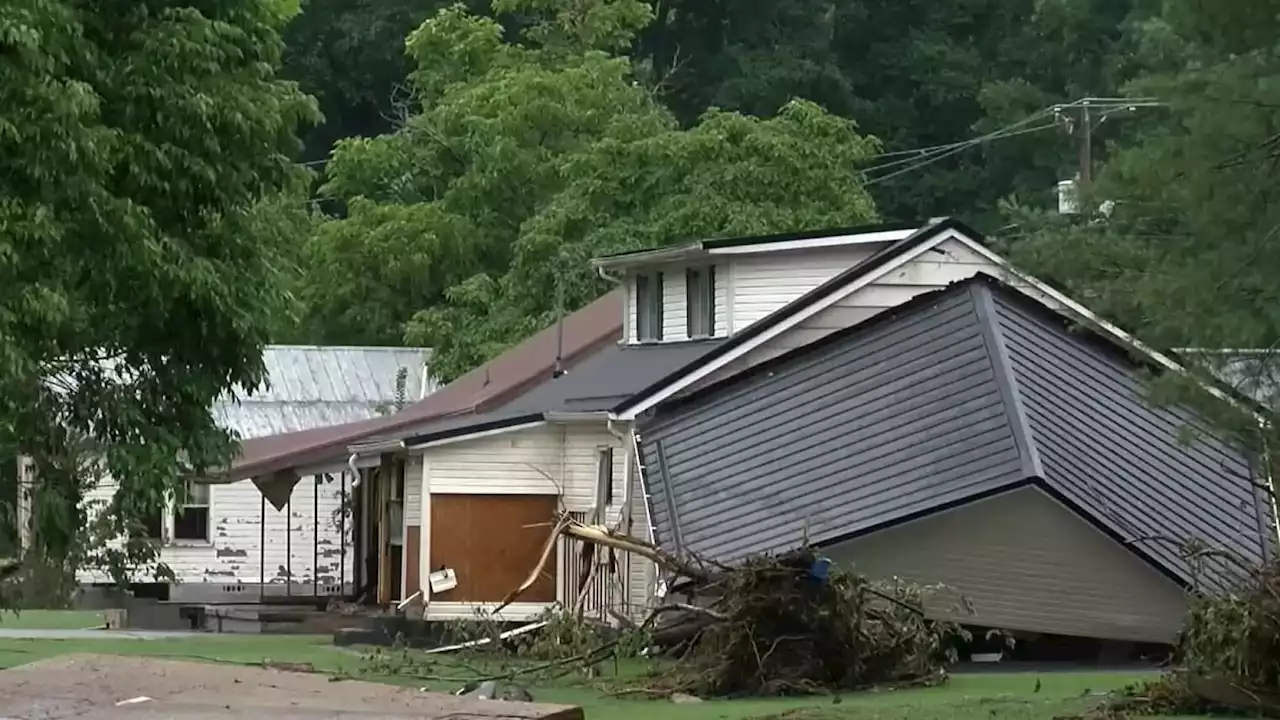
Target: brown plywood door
488 541
412 551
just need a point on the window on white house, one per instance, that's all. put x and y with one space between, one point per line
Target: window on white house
153 525
604 480
191 516
649 307
700 293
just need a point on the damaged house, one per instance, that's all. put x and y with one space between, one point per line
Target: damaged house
605 417
231 540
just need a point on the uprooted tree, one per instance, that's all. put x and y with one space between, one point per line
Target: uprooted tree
771 625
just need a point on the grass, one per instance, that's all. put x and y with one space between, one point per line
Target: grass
965 697
50 619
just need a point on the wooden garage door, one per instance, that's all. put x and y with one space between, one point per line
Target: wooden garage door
487 542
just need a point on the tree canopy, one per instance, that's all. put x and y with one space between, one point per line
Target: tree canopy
140 274
519 161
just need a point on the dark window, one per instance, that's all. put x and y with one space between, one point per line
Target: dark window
649 307
153 526
604 480
191 516
700 292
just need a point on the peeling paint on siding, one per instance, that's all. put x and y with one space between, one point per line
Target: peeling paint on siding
309 387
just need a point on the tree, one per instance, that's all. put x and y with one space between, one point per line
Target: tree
1188 252
142 145
349 54
524 159
443 198
731 175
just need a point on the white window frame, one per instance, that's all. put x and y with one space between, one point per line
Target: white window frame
700 299
205 503
649 307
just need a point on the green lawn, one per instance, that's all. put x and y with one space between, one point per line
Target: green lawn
966 697
50 619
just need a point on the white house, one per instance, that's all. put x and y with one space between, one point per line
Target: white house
691 315
228 540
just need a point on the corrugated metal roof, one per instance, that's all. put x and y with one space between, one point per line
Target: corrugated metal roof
315 386
946 399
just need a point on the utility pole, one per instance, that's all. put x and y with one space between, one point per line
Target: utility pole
1085 134
1081 117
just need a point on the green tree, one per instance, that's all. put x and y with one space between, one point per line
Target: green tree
139 273
349 54
731 175
524 159
443 198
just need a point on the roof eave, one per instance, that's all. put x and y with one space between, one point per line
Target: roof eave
650 257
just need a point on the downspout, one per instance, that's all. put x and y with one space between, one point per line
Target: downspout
626 302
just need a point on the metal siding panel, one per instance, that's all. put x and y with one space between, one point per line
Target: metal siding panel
1106 447
1024 562
853 434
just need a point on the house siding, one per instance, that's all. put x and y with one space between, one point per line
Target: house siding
555 459
1104 443
232 561
866 430
1022 561
952 261
764 283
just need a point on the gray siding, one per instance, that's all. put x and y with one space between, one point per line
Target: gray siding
1107 448
1022 561
896 418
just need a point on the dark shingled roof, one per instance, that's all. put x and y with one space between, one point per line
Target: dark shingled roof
595 385
951 397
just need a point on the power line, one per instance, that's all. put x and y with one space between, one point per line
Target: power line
922 157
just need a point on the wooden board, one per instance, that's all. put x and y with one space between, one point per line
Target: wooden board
488 541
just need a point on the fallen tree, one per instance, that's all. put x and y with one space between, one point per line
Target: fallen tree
775 625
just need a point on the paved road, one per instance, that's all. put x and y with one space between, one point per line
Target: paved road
28 634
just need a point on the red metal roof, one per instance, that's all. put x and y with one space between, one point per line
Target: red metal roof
496 382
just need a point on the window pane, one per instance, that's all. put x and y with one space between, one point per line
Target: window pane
701 302
642 307
191 523
197 494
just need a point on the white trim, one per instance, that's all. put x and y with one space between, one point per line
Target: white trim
1125 338
777 329
520 611
477 435
867 238
424 532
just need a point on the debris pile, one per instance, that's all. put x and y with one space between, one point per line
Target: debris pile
1230 650
791 625
781 625
1228 659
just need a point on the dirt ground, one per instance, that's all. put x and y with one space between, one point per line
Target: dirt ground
104 687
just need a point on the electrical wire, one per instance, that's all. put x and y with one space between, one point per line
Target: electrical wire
922 157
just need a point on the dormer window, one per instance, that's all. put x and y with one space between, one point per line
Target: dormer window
649 307
700 291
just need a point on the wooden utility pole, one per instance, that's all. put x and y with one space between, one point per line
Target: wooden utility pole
1084 133
1083 116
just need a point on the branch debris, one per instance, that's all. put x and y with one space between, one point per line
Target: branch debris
776 625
